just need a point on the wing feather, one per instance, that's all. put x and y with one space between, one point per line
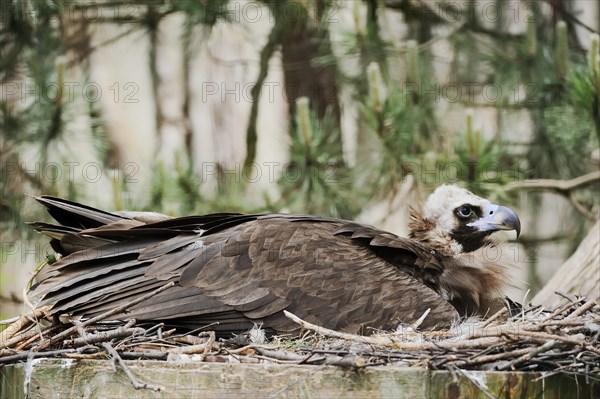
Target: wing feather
197 266
242 269
346 282
166 266
164 247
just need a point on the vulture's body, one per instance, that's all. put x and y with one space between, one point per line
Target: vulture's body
233 271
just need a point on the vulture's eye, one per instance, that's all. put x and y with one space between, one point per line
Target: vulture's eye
464 212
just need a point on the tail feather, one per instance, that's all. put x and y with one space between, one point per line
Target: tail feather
110 258
73 214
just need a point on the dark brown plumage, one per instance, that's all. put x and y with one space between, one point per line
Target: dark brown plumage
237 270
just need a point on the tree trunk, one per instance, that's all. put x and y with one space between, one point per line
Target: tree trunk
580 274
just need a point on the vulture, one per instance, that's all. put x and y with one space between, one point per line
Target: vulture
233 271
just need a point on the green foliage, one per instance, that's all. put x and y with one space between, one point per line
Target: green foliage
41 120
570 137
567 125
583 85
535 70
29 45
176 192
483 166
206 13
401 123
316 179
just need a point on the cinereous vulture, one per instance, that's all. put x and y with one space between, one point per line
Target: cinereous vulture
234 270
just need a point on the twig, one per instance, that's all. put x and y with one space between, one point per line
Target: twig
151 355
34 355
190 350
8 321
90 339
570 298
102 316
532 353
95 355
570 323
136 384
211 341
25 335
22 322
394 341
582 309
203 348
421 319
559 311
349 361
541 336
247 348
24 344
494 317
26 300
492 358
189 340
383 341
281 354
269 359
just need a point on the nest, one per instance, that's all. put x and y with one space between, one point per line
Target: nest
566 340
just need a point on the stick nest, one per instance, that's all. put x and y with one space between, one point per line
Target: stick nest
566 340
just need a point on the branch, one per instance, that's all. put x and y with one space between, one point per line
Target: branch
22 322
34 355
91 339
563 12
584 308
32 332
527 356
396 342
136 384
265 56
563 187
384 341
580 208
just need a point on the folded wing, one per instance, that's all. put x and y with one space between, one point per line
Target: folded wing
236 270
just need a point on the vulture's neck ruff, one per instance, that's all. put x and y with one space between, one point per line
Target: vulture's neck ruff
455 221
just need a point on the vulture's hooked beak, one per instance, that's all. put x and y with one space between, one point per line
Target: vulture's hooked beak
496 217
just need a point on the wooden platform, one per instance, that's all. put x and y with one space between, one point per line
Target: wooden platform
54 378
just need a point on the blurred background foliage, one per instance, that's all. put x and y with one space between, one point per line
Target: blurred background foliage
542 70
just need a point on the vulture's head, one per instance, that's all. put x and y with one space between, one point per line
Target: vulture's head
455 221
